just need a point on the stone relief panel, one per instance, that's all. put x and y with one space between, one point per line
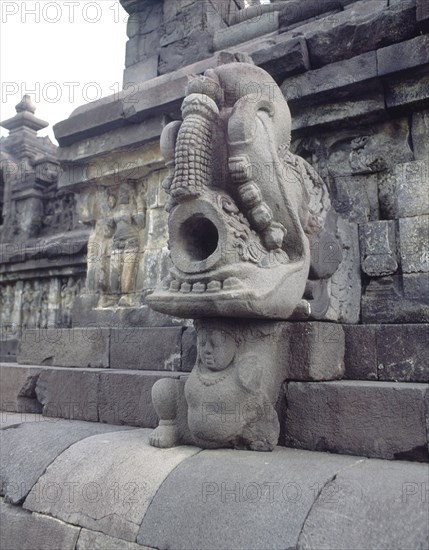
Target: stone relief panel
37 303
128 240
379 180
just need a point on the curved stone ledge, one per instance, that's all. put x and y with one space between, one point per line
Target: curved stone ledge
114 491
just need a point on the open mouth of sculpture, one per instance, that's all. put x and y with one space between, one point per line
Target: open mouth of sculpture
198 239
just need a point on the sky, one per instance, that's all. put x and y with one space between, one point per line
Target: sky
62 53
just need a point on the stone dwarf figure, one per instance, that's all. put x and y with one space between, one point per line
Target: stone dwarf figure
230 396
123 228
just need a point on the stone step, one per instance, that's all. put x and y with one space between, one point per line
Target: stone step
373 419
89 486
119 397
366 418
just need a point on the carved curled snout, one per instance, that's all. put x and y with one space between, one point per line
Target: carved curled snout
243 209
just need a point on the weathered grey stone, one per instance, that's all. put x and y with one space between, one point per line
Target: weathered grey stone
404 191
8 350
414 250
374 419
84 347
408 92
140 71
17 388
360 352
247 30
402 352
394 493
157 348
312 351
125 397
404 55
423 14
21 530
356 197
146 20
142 47
293 13
333 79
189 349
12 418
285 57
261 501
93 540
378 248
69 393
357 108
346 282
28 449
361 29
383 302
416 287
113 479
420 135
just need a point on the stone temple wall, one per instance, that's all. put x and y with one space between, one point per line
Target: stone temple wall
356 77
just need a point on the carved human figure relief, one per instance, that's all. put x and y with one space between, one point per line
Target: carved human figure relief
124 222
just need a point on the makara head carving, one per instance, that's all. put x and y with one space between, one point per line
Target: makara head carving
247 217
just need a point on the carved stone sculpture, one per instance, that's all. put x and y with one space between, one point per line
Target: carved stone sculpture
123 226
252 235
245 213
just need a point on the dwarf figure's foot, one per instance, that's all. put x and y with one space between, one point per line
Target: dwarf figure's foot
164 436
126 301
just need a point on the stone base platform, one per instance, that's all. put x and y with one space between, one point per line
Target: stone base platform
72 485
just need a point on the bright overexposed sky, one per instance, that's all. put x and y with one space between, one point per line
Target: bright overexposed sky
62 53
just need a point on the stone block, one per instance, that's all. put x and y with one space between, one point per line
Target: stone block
414 244
346 281
284 58
410 92
312 351
93 540
8 350
363 27
402 352
78 347
373 419
259 500
245 31
145 21
114 479
356 197
17 389
402 56
333 79
404 191
142 47
28 449
420 135
125 397
360 352
416 287
189 349
155 348
13 419
378 248
69 393
140 72
293 13
423 14
156 228
357 108
21 530
394 493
